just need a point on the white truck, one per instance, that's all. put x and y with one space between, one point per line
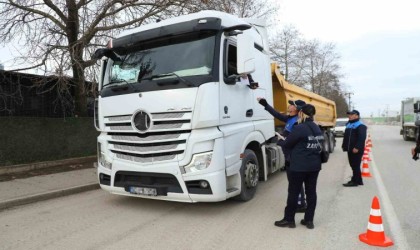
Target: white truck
410 118
176 123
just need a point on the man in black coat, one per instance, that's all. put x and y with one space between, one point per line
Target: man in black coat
354 145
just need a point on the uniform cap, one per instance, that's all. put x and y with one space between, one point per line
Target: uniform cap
298 103
352 112
308 109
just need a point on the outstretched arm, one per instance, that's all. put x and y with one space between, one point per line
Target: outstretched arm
271 110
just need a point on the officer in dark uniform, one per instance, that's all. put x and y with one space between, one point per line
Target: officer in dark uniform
290 120
304 142
354 145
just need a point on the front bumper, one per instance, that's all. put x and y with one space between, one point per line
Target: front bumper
171 184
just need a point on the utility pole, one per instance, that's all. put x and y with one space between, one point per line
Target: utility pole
348 94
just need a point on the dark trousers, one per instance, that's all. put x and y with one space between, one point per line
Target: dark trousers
301 199
355 160
296 179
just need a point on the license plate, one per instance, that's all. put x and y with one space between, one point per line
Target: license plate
143 191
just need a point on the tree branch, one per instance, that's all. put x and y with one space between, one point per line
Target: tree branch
35 11
56 10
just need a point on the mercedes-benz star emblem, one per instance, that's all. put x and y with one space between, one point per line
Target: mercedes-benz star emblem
141 121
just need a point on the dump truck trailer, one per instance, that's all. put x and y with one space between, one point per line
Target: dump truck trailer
326 114
175 121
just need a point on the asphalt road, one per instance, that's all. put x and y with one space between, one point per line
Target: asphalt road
98 220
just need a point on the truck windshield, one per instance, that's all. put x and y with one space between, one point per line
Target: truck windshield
171 58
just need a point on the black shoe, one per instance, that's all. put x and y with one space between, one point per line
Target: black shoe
301 209
308 224
350 184
285 223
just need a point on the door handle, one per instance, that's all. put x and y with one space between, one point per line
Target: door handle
249 113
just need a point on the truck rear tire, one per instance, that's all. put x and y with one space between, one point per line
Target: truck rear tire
249 176
331 140
404 134
326 144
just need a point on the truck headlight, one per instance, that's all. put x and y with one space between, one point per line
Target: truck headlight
102 159
199 162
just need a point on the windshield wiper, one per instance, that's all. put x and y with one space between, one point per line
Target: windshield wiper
119 86
188 83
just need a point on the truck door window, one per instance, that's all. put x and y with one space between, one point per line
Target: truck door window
230 66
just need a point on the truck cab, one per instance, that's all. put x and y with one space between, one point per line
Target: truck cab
176 116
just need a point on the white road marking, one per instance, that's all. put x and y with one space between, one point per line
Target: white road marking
391 217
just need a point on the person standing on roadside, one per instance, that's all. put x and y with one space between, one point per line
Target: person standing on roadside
291 120
354 144
305 144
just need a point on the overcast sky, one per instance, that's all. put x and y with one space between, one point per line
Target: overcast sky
379 43
378 40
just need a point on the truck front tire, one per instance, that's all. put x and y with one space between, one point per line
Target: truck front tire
249 176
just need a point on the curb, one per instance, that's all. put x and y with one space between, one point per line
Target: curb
47 195
46 164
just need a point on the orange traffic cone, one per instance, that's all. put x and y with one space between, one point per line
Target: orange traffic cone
365 168
368 150
366 154
369 141
375 234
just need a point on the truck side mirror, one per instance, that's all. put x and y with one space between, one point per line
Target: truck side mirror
245 54
417 107
99 53
101 74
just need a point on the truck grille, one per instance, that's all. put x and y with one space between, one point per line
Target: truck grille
164 141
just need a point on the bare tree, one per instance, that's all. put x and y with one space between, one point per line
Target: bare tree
240 8
309 64
286 48
340 102
59 36
321 68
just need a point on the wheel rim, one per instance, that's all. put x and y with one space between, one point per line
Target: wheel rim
251 174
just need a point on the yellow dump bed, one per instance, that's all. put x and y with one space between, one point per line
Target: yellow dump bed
284 91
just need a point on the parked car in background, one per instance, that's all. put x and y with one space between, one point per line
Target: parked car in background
340 126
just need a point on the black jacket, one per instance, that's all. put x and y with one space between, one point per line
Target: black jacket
354 137
305 149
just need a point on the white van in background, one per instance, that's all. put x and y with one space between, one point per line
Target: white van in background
340 126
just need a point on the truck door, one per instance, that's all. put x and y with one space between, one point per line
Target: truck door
236 98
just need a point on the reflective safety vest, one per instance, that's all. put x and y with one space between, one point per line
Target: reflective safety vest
290 122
